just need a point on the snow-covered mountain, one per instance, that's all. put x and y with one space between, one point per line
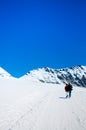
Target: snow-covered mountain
29 105
4 74
74 75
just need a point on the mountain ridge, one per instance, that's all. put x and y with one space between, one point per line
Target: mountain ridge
4 73
76 75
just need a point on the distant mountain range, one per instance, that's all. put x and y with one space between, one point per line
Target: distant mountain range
74 75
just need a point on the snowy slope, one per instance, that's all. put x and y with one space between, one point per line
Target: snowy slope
4 74
74 75
37 106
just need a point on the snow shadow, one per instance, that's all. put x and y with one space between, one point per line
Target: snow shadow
62 97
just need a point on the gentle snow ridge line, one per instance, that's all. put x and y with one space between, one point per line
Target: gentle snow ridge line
74 75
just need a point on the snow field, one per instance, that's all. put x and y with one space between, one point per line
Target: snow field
30 105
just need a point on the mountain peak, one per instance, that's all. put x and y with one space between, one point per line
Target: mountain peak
4 73
75 75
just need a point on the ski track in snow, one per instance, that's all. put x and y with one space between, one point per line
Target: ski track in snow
45 109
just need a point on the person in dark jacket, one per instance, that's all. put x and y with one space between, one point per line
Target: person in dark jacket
68 89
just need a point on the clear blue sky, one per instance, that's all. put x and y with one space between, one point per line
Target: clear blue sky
42 33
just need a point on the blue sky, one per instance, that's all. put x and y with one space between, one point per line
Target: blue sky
36 34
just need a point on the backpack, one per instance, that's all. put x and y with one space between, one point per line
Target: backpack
68 87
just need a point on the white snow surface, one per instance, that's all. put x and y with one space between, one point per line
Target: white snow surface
42 75
74 75
4 74
31 105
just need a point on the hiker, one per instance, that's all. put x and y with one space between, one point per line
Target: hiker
68 89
